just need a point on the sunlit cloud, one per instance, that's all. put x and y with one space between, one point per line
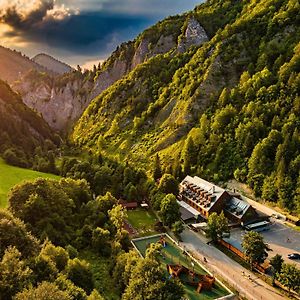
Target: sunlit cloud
34 13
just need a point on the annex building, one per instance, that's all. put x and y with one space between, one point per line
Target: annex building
202 198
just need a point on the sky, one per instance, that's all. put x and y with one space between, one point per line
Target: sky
80 32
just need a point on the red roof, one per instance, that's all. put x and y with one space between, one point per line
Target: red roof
130 205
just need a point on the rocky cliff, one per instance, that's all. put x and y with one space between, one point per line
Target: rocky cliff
59 104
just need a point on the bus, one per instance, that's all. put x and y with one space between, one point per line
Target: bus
260 226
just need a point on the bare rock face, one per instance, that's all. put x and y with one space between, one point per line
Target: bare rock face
60 107
140 53
108 77
194 35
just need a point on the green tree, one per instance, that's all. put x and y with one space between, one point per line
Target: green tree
290 277
168 185
14 233
276 262
15 275
78 271
169 210
100 239
58 255
147 281
102 180
177 228
217 225
46 206
156 171
44 291
189 156
254 247
75 292
118 215
123 268
95 296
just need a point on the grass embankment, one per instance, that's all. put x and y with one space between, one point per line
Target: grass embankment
10 176
172 254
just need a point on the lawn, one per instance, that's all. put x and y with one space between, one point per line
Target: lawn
172 254
142 220
10 176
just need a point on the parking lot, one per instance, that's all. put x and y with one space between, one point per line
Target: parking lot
280 238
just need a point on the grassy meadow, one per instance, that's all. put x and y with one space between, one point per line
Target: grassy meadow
10 176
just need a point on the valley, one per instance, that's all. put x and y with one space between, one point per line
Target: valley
106 172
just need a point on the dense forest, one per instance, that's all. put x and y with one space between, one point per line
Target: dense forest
227 109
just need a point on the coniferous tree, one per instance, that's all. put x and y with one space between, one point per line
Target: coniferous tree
157 172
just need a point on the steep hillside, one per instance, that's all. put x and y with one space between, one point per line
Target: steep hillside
52 64
13 65
225 107
72 93
21 129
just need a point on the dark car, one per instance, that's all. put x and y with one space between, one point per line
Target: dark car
294 256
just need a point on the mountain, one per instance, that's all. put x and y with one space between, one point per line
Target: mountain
73 92
223 105
21 129
13 65
52 64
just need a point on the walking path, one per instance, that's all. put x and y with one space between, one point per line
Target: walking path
246 283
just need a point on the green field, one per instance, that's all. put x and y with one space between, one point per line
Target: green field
172 254
142 220
10 176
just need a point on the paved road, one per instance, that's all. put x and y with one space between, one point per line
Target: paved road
248 285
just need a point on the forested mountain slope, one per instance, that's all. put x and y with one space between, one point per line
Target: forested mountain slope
227 107
22 131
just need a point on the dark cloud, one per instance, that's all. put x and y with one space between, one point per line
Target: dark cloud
93 32
87 33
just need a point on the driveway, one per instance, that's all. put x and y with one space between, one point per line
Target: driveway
248 285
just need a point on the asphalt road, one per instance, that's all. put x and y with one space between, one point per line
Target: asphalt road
248 285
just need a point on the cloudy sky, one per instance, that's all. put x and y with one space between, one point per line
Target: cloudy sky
79 31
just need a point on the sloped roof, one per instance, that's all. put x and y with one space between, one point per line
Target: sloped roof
215 191
237 207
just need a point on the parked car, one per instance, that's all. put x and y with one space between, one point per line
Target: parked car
294 256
